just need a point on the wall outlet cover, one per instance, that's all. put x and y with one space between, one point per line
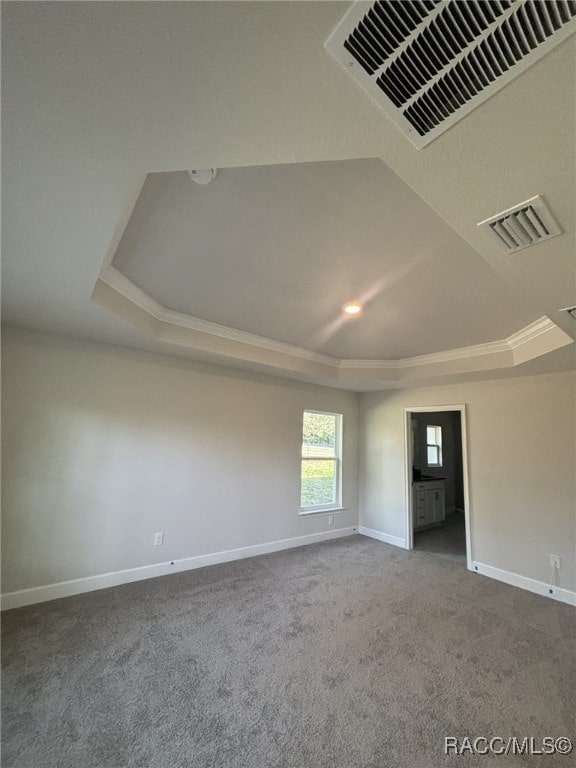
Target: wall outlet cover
555 561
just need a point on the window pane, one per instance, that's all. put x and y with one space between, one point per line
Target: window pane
318 451
431 435
318 483
319 434
321 458
432 455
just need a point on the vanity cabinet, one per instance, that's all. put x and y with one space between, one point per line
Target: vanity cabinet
428 503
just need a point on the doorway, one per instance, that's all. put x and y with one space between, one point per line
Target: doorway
436 477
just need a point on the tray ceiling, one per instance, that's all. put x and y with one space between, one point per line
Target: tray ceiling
267 256
277 250
91 118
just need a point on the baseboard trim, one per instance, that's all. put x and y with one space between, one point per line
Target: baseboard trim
47 592
524 582
385 537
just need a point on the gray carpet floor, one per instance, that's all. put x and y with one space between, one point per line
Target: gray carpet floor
345 654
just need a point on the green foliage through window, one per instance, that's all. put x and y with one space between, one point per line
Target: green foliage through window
319 428
320 485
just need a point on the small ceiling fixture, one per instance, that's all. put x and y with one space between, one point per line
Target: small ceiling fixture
203 176
352 308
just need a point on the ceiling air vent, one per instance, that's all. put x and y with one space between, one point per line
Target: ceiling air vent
428 63
570 311
522 226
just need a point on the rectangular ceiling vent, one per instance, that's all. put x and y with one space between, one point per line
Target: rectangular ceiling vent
522 226
428 63
570 311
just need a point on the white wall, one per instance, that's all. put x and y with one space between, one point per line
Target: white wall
521 464
104 446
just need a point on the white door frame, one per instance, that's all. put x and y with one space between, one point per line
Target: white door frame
408 471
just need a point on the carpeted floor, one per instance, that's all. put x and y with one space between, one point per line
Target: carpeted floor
345 654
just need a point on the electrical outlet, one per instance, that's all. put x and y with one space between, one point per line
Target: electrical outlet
158 539
555 562
330 519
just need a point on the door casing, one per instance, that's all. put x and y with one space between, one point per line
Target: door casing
408 411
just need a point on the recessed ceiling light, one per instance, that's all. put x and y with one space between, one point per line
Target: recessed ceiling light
353 308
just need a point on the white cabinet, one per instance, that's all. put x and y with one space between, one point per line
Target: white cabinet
428 503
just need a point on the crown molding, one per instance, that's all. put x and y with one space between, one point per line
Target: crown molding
434 358
530 332
113 278
120 295
525 335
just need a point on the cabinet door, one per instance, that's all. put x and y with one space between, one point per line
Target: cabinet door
419 508
434 506
438 505
430 507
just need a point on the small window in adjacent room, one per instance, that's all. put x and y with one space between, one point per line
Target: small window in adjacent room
321 483
434 446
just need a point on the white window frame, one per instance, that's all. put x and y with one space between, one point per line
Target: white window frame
436 444
336 504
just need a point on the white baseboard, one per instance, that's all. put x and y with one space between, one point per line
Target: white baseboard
90 583
524 582
385 537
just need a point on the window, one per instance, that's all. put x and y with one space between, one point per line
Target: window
321 484
434 446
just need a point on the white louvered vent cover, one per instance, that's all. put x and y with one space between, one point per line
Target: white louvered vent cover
522 226
428 63
570 311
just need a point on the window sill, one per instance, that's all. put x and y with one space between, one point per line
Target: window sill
323 511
